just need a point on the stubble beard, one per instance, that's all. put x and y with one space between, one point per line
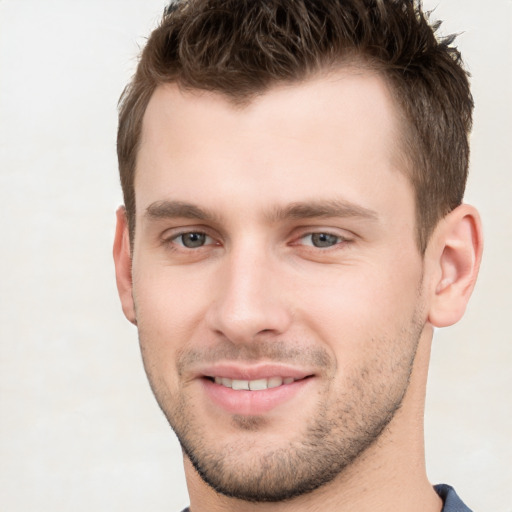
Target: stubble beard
338 433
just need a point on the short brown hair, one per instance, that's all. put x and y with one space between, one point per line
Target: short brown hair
241 48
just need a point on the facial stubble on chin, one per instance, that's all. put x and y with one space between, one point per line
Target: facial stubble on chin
328 446
337 434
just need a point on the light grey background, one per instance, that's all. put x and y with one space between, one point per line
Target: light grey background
79 428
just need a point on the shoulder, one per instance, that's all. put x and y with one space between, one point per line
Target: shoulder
452 502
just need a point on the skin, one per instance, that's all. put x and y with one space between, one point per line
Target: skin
353 313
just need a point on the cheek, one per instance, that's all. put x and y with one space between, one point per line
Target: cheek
170 298
361 304
371 330
169 310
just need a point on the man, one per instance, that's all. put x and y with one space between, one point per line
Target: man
293 231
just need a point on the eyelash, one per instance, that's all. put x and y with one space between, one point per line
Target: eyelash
340 240
173 240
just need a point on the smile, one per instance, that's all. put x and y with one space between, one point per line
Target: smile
255 394
253 385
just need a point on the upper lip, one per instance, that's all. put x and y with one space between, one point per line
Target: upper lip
253 371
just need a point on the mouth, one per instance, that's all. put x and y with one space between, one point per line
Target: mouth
254 390
255 384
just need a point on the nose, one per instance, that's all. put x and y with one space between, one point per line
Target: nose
251 299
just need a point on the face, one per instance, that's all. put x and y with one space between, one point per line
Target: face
277 285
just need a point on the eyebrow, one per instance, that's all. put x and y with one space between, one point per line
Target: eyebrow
294 211
322 209
178 209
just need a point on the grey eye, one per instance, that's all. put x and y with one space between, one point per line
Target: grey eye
324 239
192 240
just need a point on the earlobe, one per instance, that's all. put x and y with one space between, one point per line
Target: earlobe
123 265
456 251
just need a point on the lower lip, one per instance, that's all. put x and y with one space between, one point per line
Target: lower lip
252 403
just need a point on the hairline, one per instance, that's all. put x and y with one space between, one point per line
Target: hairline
406 151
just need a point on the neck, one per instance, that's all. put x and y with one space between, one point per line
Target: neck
389 476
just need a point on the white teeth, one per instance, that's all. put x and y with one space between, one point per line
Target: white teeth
275 382
258 385
253 385
240 384
226 382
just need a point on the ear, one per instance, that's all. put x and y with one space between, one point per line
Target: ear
123 264
455 251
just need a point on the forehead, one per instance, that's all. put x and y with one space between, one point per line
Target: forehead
337 132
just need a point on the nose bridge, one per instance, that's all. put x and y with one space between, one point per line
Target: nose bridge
249 299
